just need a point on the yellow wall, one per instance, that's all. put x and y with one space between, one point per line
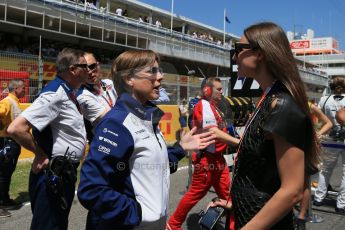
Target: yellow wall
170 124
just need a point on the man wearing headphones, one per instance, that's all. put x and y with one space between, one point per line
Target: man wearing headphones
333 145
210 168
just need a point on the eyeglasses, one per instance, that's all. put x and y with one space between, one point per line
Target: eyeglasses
84 66
240 46
155 70
93 66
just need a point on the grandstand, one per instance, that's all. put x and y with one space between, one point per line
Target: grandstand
33 31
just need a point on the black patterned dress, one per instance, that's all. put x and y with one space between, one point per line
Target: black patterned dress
256 176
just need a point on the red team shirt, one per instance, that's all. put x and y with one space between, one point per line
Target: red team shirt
206 115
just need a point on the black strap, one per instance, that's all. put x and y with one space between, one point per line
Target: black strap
324 104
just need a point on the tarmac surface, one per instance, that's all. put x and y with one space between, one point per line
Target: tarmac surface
21 218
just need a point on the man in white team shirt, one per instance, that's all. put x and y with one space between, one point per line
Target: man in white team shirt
58 139
103 89
333 145
95 93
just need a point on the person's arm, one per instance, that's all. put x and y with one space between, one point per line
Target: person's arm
224 137
105 173
39 115
92 109
326 122
19 130
290 162
189 141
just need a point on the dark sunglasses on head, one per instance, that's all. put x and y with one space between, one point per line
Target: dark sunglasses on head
240 46
84 66
92 66
155 70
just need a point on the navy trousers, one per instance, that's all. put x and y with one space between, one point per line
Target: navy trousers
8 164
46 206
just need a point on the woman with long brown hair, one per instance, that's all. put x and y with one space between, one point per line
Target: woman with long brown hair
279 146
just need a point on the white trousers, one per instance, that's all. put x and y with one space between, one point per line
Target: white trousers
330 159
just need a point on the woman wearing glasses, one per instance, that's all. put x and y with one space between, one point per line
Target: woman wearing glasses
125 177
279 146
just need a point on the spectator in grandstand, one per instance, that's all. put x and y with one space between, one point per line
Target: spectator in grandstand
219 42
279 147
118 11
195 34
158 23
333 145
119 178
91 4
125 13
97 97
140 19
58 139
326 125
9 148
210 168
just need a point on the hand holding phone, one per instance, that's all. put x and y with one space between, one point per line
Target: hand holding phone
209 218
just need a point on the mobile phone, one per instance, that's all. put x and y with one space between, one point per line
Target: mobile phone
209 219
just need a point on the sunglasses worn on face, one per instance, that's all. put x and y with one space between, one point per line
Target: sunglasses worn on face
84 66
240 46
92 66
155 70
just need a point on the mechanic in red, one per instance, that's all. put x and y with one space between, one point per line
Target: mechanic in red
210 168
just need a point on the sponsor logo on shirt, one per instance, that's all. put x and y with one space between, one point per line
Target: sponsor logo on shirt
106 130
140 131
106 140
103 149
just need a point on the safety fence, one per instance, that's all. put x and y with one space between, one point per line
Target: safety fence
41 70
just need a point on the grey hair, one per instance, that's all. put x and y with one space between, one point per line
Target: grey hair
14 84
66 58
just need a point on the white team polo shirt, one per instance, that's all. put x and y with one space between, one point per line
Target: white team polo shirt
54 107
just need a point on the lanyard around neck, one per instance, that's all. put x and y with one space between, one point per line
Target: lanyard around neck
108 100
258 107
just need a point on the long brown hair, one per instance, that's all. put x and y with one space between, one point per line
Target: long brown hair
280 62
127 63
